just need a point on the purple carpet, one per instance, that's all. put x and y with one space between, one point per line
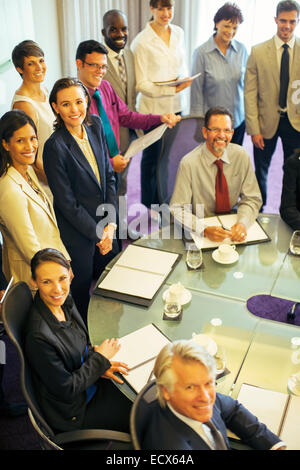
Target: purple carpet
272 308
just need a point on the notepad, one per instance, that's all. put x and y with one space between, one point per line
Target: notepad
255 233
279 411
138 274
139 350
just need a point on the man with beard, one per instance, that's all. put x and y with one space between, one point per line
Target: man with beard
218 175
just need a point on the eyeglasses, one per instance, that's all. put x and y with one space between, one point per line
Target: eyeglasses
103 68
217 130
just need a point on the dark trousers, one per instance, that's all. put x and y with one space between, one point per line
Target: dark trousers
108 409
150 156
239 133
87 264
262 158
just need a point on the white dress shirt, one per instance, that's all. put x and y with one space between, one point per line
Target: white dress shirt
200 428
157 62
196 181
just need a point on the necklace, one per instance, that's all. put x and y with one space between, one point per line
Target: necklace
36 189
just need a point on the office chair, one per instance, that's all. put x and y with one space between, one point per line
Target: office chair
140 413
176 143
15 311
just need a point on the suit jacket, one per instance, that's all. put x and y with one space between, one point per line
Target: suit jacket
164 431
262 85
60 375
129 97
75 188
290 198
27 224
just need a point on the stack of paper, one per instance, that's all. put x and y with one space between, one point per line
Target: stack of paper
255 233
278 411
139 350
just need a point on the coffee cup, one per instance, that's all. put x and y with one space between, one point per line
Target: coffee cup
175 291
226 252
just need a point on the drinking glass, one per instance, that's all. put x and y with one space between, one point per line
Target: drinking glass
172 309
220 358
295 243
194 257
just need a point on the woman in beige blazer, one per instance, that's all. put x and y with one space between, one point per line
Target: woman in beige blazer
27 219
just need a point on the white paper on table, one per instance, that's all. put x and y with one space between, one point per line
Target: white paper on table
254 232
145 259
138 377
145 141
132 282
178 81
141 346
268 406
290 433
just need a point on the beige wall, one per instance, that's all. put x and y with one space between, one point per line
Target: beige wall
46 34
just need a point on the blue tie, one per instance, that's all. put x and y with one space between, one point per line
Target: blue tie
109 134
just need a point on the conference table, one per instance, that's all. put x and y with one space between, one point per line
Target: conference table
258 351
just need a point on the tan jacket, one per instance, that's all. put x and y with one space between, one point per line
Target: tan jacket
262 83
130 97
27 224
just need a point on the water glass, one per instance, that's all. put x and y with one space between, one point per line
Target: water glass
220 358
172 309
194 257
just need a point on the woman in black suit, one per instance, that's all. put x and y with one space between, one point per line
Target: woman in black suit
290 198
68 373
82 182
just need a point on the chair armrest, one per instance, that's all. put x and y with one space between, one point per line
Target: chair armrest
91 434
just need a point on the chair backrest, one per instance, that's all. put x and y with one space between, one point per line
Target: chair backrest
140 413
176 143
15 312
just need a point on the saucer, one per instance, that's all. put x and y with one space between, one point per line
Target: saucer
183 299
292 385
208 343
234 258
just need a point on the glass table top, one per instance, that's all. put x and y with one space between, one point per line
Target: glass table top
258 351
110 318
254 273
274 355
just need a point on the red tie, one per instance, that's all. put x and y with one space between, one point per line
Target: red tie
222 195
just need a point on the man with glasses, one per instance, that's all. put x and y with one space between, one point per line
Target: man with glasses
271 111
91 61
218 175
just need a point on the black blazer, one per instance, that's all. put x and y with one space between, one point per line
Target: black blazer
76 191
290 198
60 378
165 431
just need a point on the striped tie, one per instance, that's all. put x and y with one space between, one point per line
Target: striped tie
122 71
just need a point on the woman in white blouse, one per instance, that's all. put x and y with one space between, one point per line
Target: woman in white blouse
32 98
159 55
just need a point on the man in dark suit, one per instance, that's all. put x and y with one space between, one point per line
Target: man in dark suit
290 197
120 74
189 414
